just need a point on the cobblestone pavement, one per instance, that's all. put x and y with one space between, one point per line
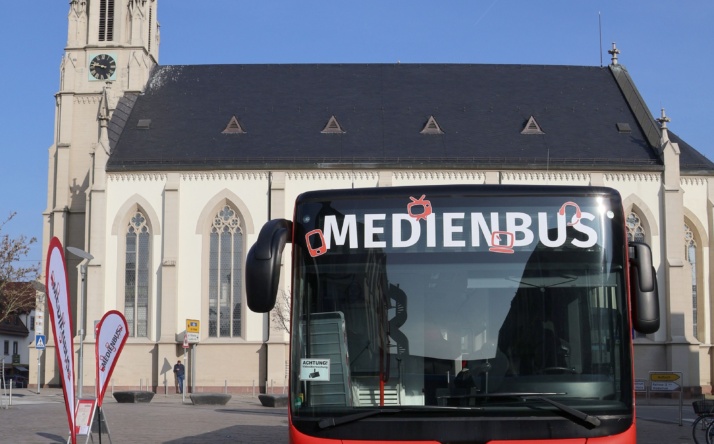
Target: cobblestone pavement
39 419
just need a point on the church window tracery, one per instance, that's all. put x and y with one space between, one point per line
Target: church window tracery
635 230
225 274
690 253
136 276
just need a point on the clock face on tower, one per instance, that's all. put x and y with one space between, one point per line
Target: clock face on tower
102 67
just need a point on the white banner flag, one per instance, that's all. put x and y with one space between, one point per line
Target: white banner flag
57 288
112 332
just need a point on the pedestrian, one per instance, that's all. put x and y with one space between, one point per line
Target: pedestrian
179 373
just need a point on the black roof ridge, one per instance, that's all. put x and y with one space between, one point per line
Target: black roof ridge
530 65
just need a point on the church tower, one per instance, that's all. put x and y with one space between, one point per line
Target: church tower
112 45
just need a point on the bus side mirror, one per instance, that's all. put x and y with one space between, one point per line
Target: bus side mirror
643 288
262 265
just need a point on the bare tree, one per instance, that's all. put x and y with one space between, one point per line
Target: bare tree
280 316
17 281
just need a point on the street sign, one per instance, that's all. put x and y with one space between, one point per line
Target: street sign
664 376
40 341
39 320
656 386
185 341
193 330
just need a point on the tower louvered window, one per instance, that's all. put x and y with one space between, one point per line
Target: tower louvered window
151 17
106 20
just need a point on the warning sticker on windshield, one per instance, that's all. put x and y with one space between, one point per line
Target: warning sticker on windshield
314 369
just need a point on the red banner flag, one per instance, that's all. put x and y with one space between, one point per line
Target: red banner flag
57 288
112 333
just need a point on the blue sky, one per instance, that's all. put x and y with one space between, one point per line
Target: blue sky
666 46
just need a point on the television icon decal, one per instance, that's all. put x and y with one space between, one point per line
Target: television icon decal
419 208
502 242
576 216
318 239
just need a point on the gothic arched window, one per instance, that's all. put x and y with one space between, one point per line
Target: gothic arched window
225 273
136 276
690 252
635 231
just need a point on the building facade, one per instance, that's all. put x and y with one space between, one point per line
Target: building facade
17 330
165 175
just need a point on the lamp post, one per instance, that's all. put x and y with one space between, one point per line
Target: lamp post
83 272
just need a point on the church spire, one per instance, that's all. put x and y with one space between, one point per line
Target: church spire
613 53
663 120
77 26
103 116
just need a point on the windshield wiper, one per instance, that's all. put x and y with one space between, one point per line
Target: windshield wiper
332 421
325 423
589 420
594 421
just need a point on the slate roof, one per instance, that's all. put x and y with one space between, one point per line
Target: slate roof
178 122
691 161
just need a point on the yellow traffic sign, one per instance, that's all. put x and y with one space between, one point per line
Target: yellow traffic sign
193 326
663 376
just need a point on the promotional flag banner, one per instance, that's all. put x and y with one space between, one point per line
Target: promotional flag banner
112 333
57 288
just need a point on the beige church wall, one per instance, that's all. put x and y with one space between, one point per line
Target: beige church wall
278 364
82 139
144 363
136 366
649 356
237 365
705 368
124 193
641 192
201 195
695 199
198 194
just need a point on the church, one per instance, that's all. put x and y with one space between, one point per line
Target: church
164 175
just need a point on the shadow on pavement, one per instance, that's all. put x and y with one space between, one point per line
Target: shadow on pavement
238 434
54 438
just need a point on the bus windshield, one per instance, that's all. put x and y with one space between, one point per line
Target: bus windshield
463 301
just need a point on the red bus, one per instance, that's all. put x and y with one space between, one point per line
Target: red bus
459 314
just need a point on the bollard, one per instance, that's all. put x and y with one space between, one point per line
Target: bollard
225 386
254 388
